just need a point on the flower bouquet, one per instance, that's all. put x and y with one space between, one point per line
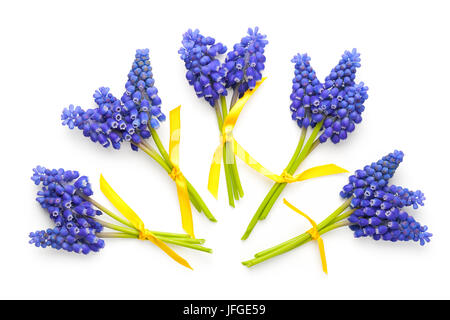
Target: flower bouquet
134 119
372 208
67 197
330 110
211 80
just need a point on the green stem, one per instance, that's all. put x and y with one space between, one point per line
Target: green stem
194 195
171 235
187 245
320 226
236 177
163 236
195 198
226 163
107 211
164 160
184 240
343 216
132 232
263 204
155 156
159 144
237 186
231 162
218 115
328 220
228 177
182 243
115 235
156 233
235 97
127 223
300 240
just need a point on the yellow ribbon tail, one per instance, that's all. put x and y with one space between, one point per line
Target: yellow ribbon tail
315 172
319 171
214 172
164 247
120 205
134 219
322 255
315 235
242 154
185 206
176 175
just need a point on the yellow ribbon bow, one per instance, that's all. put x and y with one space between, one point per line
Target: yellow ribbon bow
227 136
238 150
133 218
315 235
176 175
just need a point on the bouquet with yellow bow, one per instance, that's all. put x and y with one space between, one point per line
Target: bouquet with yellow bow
329 110
211 79
67 197
372 208
133 119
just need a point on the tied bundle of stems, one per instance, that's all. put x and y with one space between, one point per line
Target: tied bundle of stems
132 120
129 231
301 152
163 160
67 197
372 208
335 220
234 186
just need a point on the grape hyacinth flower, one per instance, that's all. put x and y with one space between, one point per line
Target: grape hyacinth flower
244 65
211 79
67 197
332 109
132 119
205 72
372 208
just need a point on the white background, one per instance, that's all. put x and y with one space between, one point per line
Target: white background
55 53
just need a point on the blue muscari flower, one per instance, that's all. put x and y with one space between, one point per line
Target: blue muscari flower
373 177
407 197
245 63
141 100
97 124
343 117
63 195
339 101
379 207
345 72
205 72
128 119
83 240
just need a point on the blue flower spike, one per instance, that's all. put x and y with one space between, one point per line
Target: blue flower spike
67 198
128 119
132 119
379 207
338 101
373 208
204 71
245 64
